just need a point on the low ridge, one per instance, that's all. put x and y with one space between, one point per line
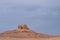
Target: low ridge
23 32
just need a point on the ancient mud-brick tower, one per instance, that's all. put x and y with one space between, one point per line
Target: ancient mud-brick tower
23 27
20 27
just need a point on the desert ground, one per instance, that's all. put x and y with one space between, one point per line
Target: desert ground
22 39
57 38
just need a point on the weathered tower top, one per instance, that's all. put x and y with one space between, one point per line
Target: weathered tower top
23 27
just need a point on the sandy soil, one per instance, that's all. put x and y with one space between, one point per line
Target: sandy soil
56 38
22 39
30 38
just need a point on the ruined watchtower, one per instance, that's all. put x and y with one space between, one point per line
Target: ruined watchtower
23 27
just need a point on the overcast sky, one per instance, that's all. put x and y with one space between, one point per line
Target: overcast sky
42 16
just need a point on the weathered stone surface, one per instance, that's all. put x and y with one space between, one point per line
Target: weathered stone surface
23 27
20 27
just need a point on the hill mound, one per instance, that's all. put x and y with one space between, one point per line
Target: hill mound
23 32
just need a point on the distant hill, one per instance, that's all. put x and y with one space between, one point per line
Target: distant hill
23 32
18 34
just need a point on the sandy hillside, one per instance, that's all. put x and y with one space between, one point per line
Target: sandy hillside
24 33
